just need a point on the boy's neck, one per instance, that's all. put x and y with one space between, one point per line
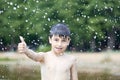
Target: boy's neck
57 54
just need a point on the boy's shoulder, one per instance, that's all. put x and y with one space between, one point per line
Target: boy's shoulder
43 53
46 53
71 57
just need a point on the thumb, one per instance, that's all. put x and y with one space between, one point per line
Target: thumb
22 39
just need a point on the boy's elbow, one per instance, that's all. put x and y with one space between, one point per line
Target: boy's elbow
40 59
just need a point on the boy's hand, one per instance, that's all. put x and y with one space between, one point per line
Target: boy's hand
22 47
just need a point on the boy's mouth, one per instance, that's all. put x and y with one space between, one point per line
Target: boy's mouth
58 48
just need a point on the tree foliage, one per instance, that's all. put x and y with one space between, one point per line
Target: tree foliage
88 20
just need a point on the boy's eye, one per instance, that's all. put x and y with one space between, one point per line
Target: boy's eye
56 39
64 40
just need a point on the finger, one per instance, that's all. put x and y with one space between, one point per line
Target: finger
21 39
21 44
20 51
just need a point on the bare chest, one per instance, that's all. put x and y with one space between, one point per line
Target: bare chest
57 64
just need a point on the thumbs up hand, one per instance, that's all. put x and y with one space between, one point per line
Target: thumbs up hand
22 47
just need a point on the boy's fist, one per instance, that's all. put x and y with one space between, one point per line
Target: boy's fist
22 47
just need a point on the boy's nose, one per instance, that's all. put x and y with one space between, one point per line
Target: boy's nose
59 43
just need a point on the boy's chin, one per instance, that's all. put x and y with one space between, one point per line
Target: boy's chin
59 52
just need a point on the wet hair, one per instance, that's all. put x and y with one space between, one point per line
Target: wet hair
60 29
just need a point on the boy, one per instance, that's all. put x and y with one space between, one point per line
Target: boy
55 64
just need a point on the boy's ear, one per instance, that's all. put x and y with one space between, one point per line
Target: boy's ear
69 41
49 40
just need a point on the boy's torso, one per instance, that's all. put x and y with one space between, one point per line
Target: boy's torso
56 67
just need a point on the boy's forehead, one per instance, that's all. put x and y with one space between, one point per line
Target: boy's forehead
60 36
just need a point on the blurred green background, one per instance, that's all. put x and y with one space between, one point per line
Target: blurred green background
94 24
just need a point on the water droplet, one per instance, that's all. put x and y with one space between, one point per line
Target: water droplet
109 38
46 13
96 33
14 8
28 33
106 7
11 3
18 6
25 8
33 10
95 37
26 20
48 19
37 1
105 19
99 49
1 42
1 11
3 49
44 17
78 19
63 21
3 77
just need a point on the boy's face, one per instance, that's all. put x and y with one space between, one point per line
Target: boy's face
59 43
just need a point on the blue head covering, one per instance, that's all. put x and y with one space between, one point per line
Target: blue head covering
60 29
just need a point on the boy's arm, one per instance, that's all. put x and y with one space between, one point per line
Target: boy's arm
73 70
22 48
35 56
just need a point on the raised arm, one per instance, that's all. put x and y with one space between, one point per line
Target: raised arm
22 48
